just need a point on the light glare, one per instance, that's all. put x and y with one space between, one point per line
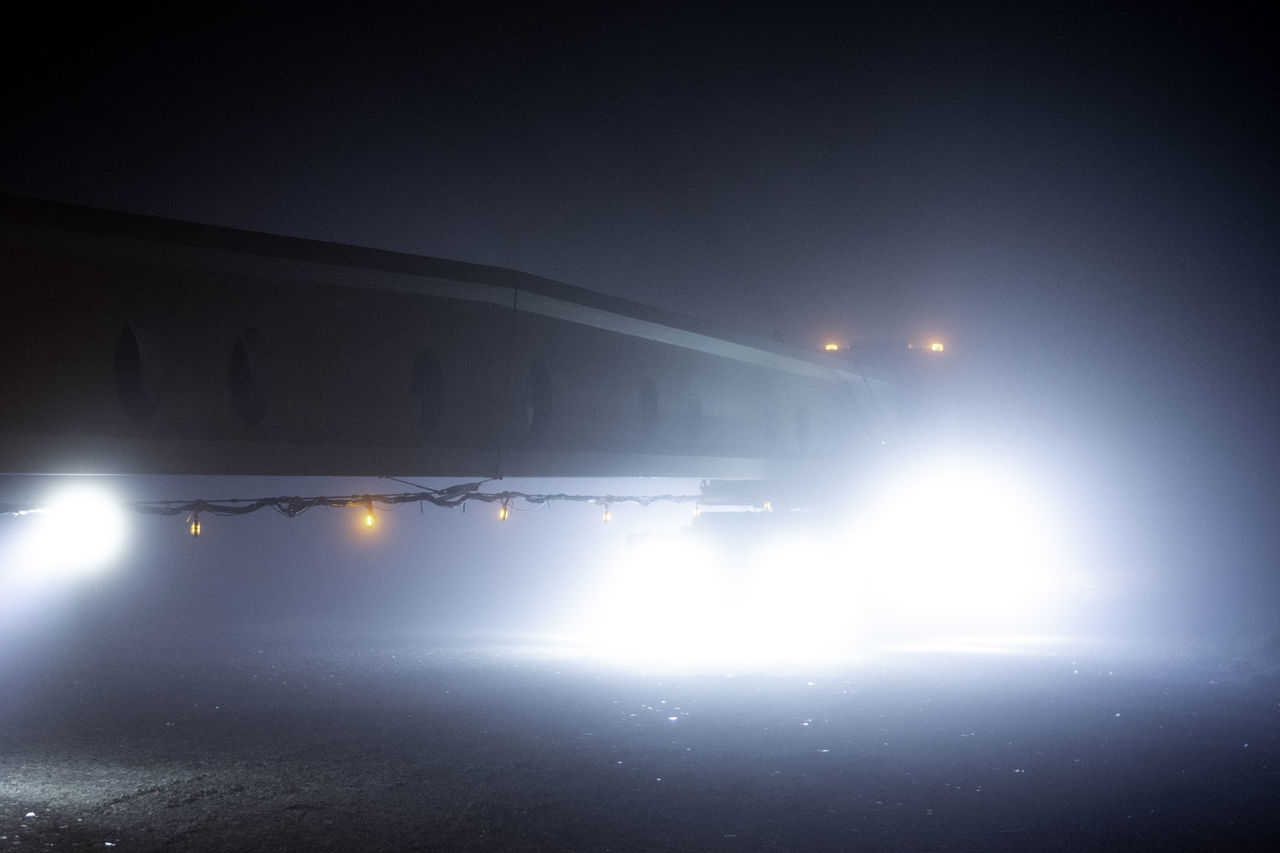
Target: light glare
79 531
953 545
960 540
674 601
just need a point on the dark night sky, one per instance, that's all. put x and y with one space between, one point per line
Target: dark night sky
1081 198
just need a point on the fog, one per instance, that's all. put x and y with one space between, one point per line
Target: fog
1081 202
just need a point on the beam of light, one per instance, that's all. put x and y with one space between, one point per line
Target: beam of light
79 530
801 602
75 534
674 601
665 600
962 541
1012 645
951 545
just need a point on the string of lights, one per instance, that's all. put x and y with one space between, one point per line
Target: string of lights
451 497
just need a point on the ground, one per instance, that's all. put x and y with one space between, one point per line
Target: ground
333 740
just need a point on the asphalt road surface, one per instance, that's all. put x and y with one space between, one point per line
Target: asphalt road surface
334 740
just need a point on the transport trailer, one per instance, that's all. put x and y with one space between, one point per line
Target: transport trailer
136 345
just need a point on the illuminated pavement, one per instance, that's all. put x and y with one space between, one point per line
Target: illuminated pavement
302 741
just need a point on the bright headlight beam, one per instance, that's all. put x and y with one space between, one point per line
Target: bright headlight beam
664 600
952 544
960 540
78 531
675 601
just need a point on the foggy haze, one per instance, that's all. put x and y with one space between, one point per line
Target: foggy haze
1080 200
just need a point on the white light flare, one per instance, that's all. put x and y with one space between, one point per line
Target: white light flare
77 532
675 602
962 542
802 602
666 600
949 546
